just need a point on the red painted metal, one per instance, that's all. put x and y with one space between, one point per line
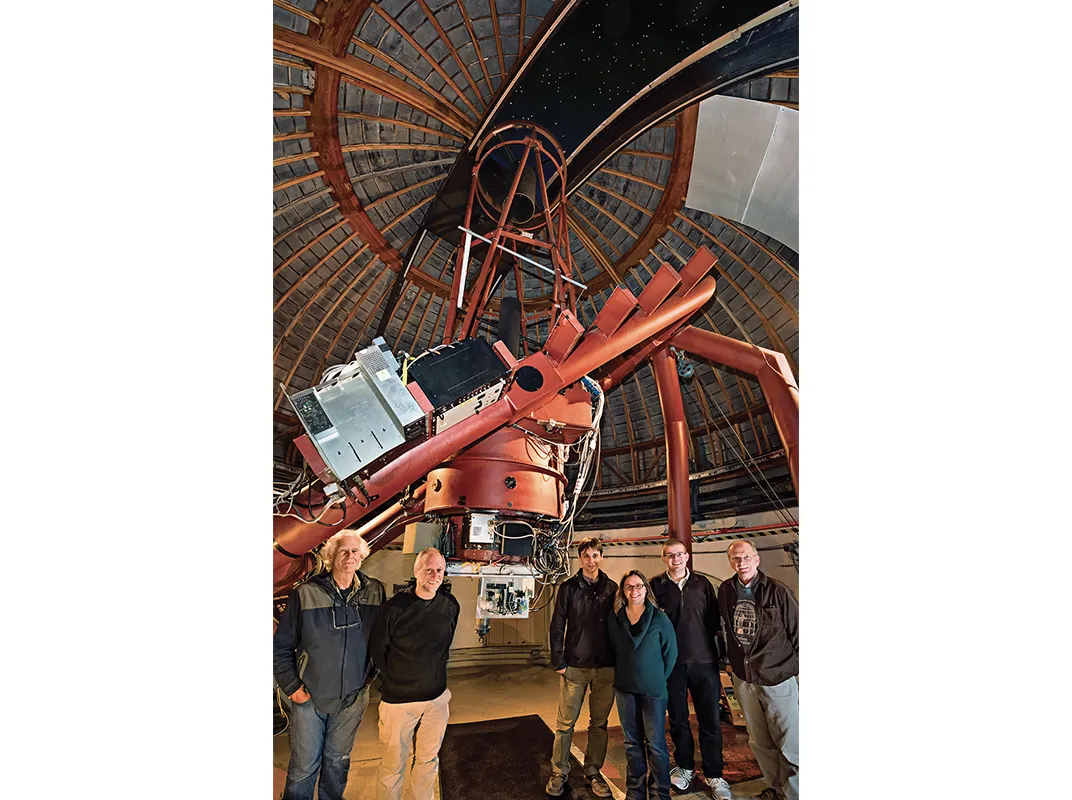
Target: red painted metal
289 571
309 453
593 351
775 378
619 305
661 286
503 352
480 477
417 393
564 418
563 337
676 431
538 145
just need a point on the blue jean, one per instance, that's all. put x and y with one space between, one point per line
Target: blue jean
320 744
647 760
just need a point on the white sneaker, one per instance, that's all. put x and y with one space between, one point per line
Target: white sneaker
720 788
681 778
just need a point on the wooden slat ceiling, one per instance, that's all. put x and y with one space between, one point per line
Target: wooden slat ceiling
372 102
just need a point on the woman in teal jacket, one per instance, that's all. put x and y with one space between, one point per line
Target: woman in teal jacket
645 650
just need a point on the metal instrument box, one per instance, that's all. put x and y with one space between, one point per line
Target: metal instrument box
362 414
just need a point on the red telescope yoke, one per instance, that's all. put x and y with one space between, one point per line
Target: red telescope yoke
626 331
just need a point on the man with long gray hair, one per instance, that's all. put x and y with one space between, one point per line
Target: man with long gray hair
322 664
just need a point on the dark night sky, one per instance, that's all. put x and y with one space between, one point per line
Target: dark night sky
607 51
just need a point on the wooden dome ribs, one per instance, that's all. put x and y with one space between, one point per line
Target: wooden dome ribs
476 47
707 233
579 223
312 270
612 217
368 76
435 65
293 287
316 295
401 123
304 248
298 12
773 256
305 222
497 36
453 52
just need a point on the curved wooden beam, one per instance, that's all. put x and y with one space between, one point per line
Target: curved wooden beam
773 256
453 52
400 123
370 77
476 48
673 194
498 38
424 54
744 265
613 217
294 256
291 231
590 245
324 125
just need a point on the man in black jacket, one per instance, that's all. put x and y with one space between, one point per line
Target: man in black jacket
581 653
689 601
761 616
410 645
322 665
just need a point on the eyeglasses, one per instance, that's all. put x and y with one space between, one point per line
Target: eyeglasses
345 614
633 589
675 556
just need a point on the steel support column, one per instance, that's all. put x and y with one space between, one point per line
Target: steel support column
676 431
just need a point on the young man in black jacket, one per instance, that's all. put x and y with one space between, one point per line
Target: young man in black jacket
581 653
322 665
410 646
689 601
761 618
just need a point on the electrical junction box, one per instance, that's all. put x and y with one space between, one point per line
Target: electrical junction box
362 414
505 596
481 529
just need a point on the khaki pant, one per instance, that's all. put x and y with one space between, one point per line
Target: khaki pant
397 723
771 713
575 682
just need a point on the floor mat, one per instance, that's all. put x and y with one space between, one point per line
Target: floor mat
500 759
739 762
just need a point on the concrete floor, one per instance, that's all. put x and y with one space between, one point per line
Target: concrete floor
481 693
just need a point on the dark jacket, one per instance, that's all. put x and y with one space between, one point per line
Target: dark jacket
694 615
772 658
643 662
411 644
579 623
323 643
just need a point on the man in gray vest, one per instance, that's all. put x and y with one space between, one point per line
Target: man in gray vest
322 664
